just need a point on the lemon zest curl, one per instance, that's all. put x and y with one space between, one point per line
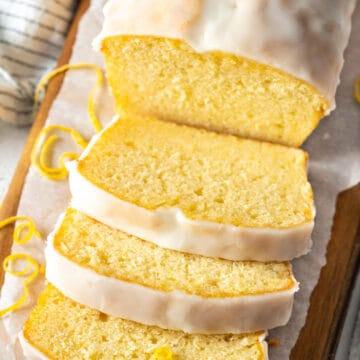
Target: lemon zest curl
41 148
26 223
25 272
91 102
32 268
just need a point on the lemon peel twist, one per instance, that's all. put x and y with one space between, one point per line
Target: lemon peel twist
32 268
26 222
91 102
26 271
357 89
162 353
43 143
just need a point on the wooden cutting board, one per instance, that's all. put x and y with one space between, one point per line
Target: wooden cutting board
319 337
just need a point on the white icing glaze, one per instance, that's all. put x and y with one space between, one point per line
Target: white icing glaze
30 351
304 38
169 228
169 310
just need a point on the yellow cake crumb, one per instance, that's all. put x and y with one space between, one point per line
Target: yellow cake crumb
116 254
62 329
208 176
167 79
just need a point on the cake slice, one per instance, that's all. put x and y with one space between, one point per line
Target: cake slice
261 69
124 276
197 191
59 328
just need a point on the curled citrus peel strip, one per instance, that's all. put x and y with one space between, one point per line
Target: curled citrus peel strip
26 224
32 268
162 353
98 83
26 272
42 145
357 89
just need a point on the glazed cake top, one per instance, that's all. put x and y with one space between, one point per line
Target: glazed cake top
304 38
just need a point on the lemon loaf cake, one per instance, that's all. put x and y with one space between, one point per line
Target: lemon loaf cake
261 69
121 275
197 191
59 328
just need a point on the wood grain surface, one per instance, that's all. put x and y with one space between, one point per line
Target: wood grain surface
328 303
318 339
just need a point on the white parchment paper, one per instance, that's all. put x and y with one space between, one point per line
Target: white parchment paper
334 166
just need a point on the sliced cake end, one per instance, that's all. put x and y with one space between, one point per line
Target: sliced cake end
124 276
59 328
197 191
